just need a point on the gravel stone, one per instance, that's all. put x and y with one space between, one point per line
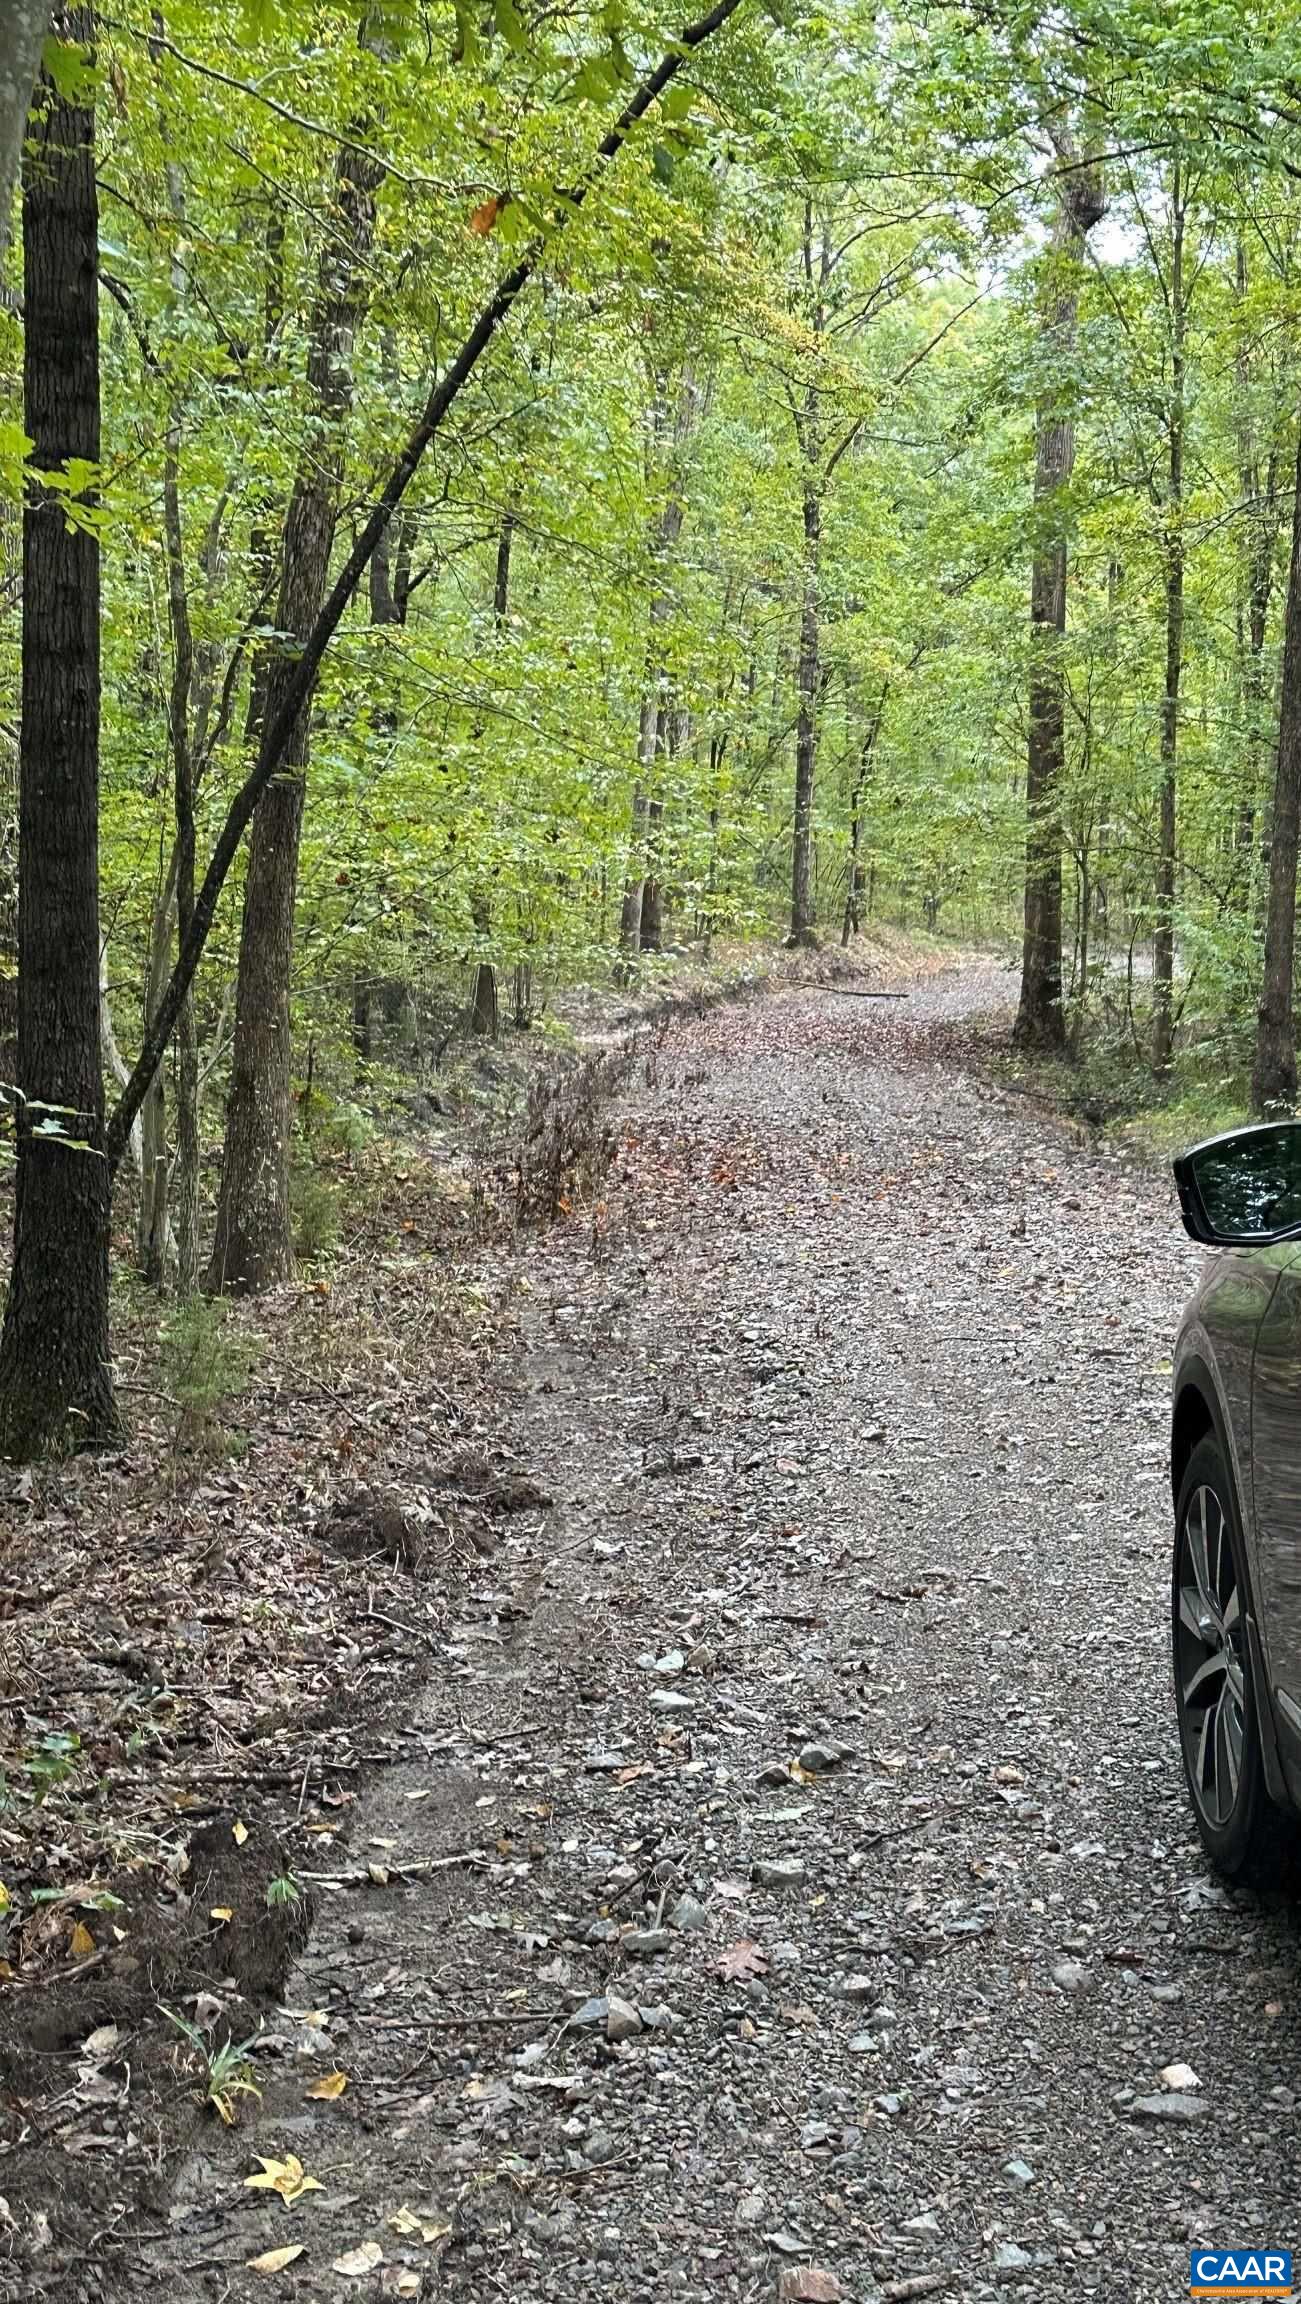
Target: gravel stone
622 2020
1175 2107
782 1873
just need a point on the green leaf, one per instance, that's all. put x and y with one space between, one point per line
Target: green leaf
68 64
511 26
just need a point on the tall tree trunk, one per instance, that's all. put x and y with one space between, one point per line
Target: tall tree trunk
652 899
1163 944
1040 1021
635 916
55 1378
154 1246
23 26
854 877
634 887
803 908
1273 1078
1258 486
484 1008
253 1245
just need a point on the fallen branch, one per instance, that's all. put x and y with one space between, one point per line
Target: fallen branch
850 992
473 1858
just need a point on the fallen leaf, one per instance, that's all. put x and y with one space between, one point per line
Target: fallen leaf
276 2259
100 2043
221 1913
359 2261
379 1874
239 1832
283 2176
744 1958
422 2228
329 2087
82 1942
484 217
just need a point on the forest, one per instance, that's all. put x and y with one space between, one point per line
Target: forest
496 497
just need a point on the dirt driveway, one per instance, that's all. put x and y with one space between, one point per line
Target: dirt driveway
829 1903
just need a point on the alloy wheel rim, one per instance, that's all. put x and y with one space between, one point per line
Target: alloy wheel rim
1208 1657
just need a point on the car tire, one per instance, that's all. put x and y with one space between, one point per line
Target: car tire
1247 1837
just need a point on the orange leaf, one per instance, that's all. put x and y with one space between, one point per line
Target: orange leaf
329 2088
485 217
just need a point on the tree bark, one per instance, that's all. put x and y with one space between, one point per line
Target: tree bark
640 919
1163 943
1258 484
1040 1021
23 26
484 1015
854 879
253 1242
56 1386
1274 1076
803 908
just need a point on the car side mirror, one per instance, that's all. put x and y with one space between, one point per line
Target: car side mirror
1243 1190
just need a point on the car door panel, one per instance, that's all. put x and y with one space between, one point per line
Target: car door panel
1276 1485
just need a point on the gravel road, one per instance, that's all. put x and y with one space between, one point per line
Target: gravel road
818 1740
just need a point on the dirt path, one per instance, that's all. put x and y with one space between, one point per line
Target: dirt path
856 1429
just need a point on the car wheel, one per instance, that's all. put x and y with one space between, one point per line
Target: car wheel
1244 1834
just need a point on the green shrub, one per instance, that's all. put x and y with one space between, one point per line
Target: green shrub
315 1208
205 1365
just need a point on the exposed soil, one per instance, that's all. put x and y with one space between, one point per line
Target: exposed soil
815 1736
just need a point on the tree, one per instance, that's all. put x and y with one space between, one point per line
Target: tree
1175 292
23 27
253 1242
55 1383
1040 1021
1274 1072
54 1376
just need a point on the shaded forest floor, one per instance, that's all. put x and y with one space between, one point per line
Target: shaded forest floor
750 1860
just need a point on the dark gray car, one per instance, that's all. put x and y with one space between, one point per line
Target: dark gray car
1236 1473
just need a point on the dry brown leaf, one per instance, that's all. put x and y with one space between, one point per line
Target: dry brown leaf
276 2259
239 1832
283 2176
744 1958
221 1913
328 2088
484 217
357 2262
82 1942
